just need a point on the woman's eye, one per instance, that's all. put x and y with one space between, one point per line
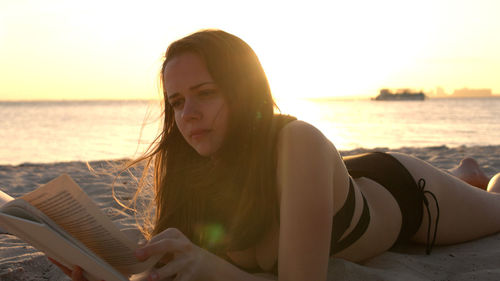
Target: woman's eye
206 92
176 104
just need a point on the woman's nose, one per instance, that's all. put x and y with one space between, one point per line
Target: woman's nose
191 110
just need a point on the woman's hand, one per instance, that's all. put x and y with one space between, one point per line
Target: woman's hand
183 260
76 274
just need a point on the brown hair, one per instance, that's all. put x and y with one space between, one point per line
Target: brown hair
223 203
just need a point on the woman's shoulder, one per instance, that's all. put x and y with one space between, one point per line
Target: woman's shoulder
301 130
298 135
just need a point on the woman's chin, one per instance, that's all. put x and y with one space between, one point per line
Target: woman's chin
204 151
205 148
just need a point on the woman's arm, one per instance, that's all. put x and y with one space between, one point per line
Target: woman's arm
183 261
188 261
305 182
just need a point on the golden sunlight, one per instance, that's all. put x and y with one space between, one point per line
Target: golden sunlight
100 50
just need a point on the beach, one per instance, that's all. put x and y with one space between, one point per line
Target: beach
469 261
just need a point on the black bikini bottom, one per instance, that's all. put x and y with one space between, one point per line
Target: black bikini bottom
391 174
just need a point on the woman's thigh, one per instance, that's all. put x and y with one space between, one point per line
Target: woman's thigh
465 212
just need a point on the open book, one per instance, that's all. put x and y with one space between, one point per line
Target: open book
61 220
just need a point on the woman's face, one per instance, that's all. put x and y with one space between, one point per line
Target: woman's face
200 109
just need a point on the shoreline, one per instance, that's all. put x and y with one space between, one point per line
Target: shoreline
443 156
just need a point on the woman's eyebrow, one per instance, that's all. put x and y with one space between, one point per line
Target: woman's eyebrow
191 88
172 96
201 84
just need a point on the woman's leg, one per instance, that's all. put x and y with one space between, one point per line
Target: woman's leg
469 171
494 184
466 212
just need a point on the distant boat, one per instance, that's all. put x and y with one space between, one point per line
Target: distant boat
405 94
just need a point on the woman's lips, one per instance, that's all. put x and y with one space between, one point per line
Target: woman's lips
196 134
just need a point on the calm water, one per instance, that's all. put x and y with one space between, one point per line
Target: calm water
393 124
66 131
94 130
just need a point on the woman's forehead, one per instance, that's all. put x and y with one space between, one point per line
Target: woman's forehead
185 71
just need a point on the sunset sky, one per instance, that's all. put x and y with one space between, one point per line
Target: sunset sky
112 49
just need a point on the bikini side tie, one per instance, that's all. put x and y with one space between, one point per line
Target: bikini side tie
429 245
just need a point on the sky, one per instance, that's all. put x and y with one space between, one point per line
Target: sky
96 49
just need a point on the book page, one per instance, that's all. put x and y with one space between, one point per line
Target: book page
4 198
68 206
60 248
24 211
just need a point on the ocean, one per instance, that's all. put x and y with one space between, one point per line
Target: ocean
58 131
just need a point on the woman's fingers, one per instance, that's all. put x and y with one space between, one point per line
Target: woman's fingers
77 274
168 241
64 269
178 253
163 246
169 270
167 233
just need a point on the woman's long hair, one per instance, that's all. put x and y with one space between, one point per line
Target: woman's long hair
224 202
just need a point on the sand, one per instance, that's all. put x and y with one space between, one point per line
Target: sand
476 260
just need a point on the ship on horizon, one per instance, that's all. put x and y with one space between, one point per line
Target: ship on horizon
401 94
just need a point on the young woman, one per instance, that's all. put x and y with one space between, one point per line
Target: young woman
245 194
